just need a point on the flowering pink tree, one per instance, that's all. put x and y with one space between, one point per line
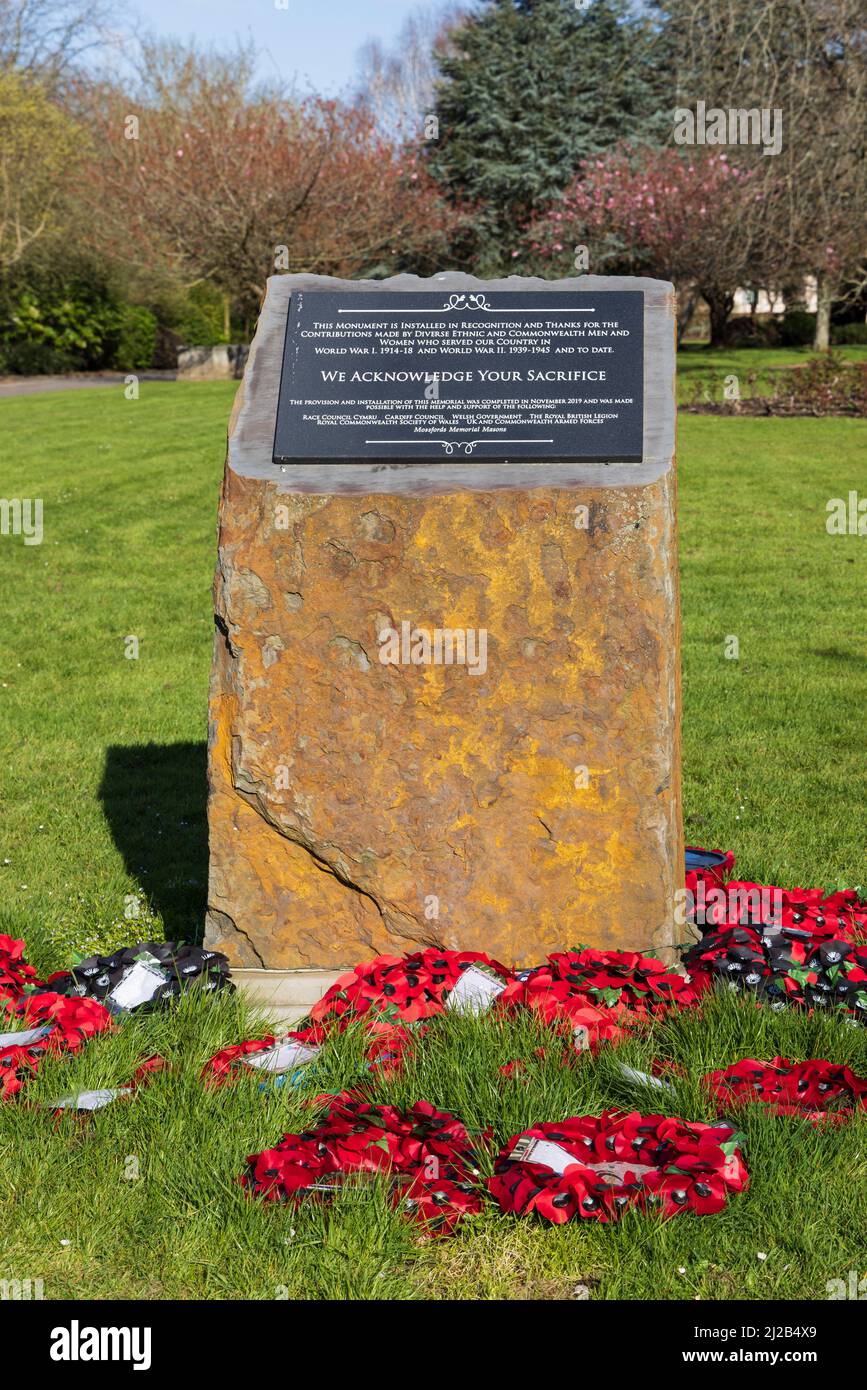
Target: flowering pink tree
694 219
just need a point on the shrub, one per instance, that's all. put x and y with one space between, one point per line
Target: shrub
46 326
136 338
849 334
797 328
36 359
199 321
192 318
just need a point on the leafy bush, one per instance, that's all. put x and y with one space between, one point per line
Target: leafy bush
199 322
849 334
47 326
136 338
35 359
797 328
80 323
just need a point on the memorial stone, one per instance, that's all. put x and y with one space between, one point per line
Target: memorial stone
445 696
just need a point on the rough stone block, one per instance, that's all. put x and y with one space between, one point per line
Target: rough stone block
357 807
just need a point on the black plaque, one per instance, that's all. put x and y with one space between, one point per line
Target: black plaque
512 374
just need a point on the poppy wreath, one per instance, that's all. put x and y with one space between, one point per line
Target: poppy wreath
16 976
738 902
72 1022
599 995
712 867
709 870
17 1064
226 1064
741 902
427 1152
817 1089
832 914
596 1166
387 1049
408 988
803 964
179 965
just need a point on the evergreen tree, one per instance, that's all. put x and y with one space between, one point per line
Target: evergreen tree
528 89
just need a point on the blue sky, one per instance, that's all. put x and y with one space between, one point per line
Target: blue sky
313 40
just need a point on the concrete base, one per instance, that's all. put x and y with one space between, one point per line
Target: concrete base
285 995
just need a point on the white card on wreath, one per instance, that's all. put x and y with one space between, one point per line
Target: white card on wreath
282 1057
90 1100
30 1035
138 986
474 992
543 1151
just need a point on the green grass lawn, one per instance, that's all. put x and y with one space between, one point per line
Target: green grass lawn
704 370
142 1200
102 805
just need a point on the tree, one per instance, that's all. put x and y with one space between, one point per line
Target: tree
528 90
397 84
218 180
694 219
36 143
808 59
47 39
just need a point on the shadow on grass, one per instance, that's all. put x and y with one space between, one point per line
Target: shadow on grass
154 797
838 654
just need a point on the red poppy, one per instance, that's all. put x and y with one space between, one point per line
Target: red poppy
388 1048
72 1021
816 1088
148 1069
17 1064
69 1024
428 1151
594 1167
413 987
391 1047
518 1066
438 1203
16 976
225 1063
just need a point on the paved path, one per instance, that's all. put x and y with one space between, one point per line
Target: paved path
73 381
